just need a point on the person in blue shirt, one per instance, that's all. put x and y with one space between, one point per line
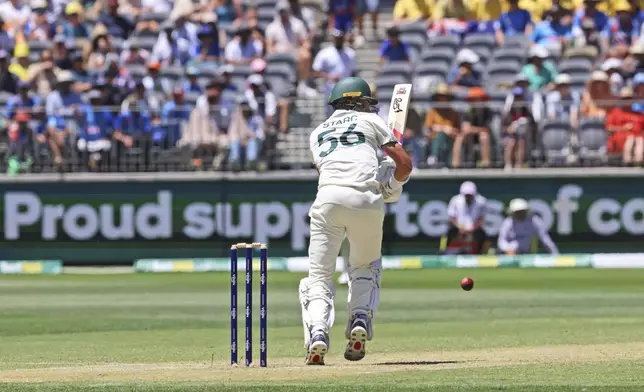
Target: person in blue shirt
95 132
393 49
64 109
590 11
74 27
173 117
516 21
22 100
464 75
247 135
555 32
638 92
191 85
342 14
621 31
209 50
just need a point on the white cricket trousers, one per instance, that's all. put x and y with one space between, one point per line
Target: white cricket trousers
336 212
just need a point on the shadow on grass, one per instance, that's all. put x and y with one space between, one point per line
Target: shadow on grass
417 363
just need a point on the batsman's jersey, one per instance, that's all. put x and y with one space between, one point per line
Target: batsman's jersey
345 146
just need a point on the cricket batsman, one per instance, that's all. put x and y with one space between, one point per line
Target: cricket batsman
352 189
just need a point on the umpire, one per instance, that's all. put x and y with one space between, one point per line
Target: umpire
466 212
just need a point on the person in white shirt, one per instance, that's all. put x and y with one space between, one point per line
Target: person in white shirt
243 48
15 13
287 34
352 189
334 63
466 213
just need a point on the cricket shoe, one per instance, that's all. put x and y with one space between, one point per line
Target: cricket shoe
355 350
318 347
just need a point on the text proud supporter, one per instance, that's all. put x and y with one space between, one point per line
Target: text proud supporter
565 213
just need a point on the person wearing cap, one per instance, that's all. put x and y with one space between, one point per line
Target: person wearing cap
466 212
8 81
21 145
464 74
38 27
261 99
518 122
61 51
155 83
541 72
116 24
206 136
175 114
80 73
334 63
563 102
520 229
444 123
625 127
243 48
393 49
21 66
554 32
246 134
586 41
75 28
61 105
515 21
191 85
590 10
613 68
21 101
476 128
287 34
622 31
597 97
133 53
94 135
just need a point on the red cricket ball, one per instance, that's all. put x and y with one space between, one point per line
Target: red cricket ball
467 283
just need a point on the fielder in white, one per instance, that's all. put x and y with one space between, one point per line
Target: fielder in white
352 189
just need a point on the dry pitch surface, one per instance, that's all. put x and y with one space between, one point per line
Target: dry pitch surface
519 330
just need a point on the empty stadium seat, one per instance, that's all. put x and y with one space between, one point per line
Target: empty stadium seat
443 54
437 69
447 41
510 54
401 68
575 66
555 141
592 146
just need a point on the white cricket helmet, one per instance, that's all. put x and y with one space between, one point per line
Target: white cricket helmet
518 205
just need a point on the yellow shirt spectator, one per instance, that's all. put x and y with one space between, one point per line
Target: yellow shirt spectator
486 9
411 10
451 9
535 8
19 68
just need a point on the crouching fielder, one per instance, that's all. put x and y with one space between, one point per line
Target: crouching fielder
352 190
519 231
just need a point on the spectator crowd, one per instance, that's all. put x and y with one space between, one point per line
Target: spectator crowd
520 83
117 85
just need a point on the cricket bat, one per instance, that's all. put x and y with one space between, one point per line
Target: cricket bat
398 108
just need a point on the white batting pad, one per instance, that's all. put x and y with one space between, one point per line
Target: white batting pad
364 294
318 312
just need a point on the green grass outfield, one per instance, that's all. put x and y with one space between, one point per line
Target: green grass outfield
518 330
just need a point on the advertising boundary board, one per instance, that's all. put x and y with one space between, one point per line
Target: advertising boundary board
116 221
